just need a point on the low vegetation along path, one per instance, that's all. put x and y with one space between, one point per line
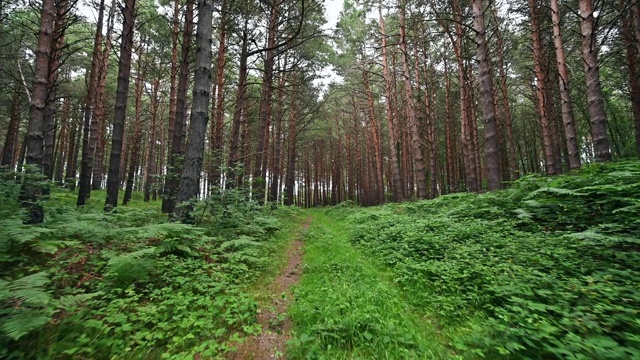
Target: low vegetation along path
271 342
346 306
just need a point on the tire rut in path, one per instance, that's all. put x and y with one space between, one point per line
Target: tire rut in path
271 343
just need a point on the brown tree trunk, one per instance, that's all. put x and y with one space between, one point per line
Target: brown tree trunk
508 118
150 180
175 31
74 149
413 122
13 131
260 166
398 188
190 181
31 188
595 98
541 87
137 130
120 113
492 148
98 123
375 135
88 146
632 61
234 146
176 160
289 181
64 138
218 125
568 121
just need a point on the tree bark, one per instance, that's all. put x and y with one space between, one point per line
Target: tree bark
190 182
492 149
398 188
176 158
632 60
120 113
31 189
413 122
99 117
568 121
218 126
137 131
150 180
88 147
597 115
541 86
13 131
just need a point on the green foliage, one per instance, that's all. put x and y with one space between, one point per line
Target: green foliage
548 269
89 284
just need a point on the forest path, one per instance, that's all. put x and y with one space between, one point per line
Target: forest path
347 305
271 342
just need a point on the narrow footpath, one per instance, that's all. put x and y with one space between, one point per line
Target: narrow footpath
347 307
271 342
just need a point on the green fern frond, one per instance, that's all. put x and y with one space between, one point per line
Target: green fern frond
116 260
555 191
21 322
241 242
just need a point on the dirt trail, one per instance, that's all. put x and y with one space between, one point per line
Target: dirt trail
271 343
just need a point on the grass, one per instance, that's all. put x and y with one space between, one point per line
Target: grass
346 307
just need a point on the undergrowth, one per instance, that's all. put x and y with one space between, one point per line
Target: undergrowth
129 284
548 269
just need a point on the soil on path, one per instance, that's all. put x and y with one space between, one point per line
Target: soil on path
271 343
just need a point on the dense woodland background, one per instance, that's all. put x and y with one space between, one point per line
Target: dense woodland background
431 97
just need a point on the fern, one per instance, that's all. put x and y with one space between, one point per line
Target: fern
26 305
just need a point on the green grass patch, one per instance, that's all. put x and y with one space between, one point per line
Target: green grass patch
345 307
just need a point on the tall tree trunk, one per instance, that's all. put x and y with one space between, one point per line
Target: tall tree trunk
568 121
120 113
13 131
218 125
74 149
597 115
508 118
150 180
137 131
541 86
632 63
173 73
176 159
88 147
190 182
98 136
289 181
259 170
375 135
398 188
234 146
413 121
62 142
492 148
31 188
277 142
